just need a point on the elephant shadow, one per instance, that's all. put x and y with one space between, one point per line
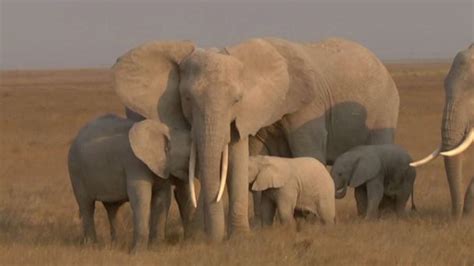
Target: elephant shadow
340 128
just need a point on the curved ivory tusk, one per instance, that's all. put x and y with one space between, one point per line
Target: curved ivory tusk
192 168
427 159
225 163
462 147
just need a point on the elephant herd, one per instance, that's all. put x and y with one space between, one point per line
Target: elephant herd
266 115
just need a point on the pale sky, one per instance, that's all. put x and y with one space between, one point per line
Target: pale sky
78 34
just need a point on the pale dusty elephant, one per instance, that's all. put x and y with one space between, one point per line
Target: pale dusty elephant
457 127
381 175
328 96
103 167
292 184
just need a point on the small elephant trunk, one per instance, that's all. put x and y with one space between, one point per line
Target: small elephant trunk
341 193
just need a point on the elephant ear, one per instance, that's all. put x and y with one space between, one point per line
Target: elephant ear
367 167
277 80
149 140
147 77
269 177
265 83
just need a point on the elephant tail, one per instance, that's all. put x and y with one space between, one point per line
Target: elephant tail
412 174
413 207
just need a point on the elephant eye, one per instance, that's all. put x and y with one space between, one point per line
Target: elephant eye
237 98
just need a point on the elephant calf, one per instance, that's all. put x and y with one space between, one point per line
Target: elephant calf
381 175
292 184
103 167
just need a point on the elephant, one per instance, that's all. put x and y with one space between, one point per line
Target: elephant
103 167
292 184
381 176
457 127
327 96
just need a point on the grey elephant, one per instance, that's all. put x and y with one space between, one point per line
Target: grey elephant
103 167
292 184
457 131
328 97
381 176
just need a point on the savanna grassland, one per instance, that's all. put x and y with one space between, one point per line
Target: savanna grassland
40 112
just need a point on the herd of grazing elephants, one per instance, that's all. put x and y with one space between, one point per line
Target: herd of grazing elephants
266 115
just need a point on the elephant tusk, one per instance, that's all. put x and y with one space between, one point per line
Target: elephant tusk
192 168
225 163
462 147
427 159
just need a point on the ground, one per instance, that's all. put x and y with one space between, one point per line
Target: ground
41 111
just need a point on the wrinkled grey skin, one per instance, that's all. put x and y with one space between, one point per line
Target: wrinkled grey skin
103 167
329 96
380 174
458 120
292 184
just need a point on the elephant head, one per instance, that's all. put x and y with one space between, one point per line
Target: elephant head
164 153
354 168
223 96
457 131
265 174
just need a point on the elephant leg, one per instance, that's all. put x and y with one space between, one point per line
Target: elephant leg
401 202
238 186
185 206
469 198
112 209
257 208
86 209
387 203
160 205
268 208
139 192
286 205
374 197
285 214
196 223
360 194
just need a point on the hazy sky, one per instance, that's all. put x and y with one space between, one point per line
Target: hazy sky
71 34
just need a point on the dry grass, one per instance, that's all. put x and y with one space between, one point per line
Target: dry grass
41 111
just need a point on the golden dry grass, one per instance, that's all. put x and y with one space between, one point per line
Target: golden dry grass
40 112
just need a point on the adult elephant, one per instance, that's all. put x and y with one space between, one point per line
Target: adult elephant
457 131
328 96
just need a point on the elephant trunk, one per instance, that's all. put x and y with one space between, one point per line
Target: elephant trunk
210 140
452 132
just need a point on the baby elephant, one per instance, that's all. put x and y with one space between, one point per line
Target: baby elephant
103 167
289 185
380 174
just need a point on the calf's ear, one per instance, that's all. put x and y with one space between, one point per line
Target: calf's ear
149 141
269 177
367 167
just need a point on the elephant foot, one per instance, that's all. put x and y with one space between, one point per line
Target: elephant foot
241 233
137 249
89 241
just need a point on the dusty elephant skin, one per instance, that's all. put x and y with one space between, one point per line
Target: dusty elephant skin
381 176
292 184
457 131
103 167
327 96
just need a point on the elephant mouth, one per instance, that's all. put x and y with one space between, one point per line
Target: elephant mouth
341 192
